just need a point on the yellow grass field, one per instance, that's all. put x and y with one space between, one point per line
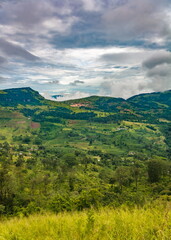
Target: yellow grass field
148 223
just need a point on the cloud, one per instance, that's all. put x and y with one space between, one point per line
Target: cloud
31 18
26 13
158 59
137 19
158 70
79 70
92 5
73 95
54 82
135 57
85 23
153 73
2 79
123 58
63 96
2 60
160 78
125 89
77 82
115 47
14 50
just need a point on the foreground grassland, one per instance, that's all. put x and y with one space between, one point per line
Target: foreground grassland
118 224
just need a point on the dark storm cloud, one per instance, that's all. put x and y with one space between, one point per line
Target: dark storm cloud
14 50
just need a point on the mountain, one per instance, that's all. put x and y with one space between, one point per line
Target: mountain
150 107
157 105
156 100
145 101
148 101
56 96
24 96
107 104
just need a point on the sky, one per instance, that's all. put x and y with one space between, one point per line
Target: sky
79 48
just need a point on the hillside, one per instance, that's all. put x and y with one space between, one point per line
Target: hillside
24 96
96 151
144 107
152 100
130 125
152 107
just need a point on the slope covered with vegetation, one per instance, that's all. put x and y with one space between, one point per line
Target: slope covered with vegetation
15 96
96 151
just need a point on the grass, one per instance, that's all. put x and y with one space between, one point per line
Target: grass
152 223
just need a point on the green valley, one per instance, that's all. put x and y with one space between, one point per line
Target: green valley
95 152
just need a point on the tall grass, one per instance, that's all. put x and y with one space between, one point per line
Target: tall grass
117 224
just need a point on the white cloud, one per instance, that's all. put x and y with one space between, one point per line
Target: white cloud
79 41
92 5
66 96
124 88
158 71
75 95
113 71
59 25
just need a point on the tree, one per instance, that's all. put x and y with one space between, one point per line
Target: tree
123 176
7 189
135 173
70 159
154 170
20 161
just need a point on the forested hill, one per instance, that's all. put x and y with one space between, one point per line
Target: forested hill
156 100
151 107
23 96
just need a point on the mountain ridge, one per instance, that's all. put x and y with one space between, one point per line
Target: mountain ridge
151 107
86 98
